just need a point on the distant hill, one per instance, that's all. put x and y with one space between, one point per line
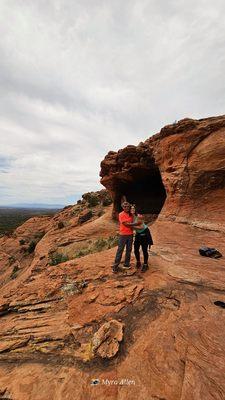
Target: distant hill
35 206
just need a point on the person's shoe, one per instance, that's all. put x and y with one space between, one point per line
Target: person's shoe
138 264
126 266
144 267
115 269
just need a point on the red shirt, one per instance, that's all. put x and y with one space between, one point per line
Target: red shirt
125 217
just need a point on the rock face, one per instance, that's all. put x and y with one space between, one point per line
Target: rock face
71 329
179 173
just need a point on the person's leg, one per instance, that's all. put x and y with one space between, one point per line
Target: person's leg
145 252
119 253
144 246
129 242
137 251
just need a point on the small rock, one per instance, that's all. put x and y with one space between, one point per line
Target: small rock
106 340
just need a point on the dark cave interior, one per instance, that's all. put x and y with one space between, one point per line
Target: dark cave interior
144 188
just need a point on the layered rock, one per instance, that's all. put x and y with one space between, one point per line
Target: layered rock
74 330
179 173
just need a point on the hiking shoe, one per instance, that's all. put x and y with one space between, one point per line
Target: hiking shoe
115 269
144 267
138 264
126 266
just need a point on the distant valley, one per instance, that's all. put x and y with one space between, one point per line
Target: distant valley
12 217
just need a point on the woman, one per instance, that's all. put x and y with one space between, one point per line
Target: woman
143 239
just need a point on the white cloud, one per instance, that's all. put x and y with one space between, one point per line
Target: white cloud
78 79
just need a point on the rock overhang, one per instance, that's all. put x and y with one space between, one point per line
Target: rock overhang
178 173
133 174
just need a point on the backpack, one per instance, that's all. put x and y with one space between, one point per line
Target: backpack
209 252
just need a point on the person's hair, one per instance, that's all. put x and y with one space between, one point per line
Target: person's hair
133 205
125 203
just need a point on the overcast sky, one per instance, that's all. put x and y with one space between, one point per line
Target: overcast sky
81 77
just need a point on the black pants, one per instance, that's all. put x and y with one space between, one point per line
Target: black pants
142 240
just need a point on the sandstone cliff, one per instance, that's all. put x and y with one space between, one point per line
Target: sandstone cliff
67 320
179 173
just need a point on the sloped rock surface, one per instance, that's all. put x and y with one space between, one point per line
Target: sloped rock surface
173 342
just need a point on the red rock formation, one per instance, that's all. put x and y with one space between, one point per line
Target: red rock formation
151 336
179 172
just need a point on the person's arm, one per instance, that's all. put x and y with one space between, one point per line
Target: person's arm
125 223
135 224
132 224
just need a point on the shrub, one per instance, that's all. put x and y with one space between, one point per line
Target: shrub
33 243
93 201
106 201
97 245
91 198
112 241
11 260
100 213
100 244
14 272
31 247
22 241
82 252
60 225
58 258
76 211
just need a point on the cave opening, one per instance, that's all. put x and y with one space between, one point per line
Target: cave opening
145 189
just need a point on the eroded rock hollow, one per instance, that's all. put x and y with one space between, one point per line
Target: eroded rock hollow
178 173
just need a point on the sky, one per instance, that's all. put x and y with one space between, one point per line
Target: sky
81 78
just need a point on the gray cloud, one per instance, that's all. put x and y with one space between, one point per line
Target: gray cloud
78 79
5 163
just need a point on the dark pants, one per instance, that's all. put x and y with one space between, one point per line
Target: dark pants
124 240
142 240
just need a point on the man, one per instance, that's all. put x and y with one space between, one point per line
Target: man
125 238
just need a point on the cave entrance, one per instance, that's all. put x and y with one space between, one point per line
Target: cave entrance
145 189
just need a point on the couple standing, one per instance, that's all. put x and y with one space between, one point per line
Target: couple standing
129 220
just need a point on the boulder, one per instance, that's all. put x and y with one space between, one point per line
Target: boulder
106 340
85 216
